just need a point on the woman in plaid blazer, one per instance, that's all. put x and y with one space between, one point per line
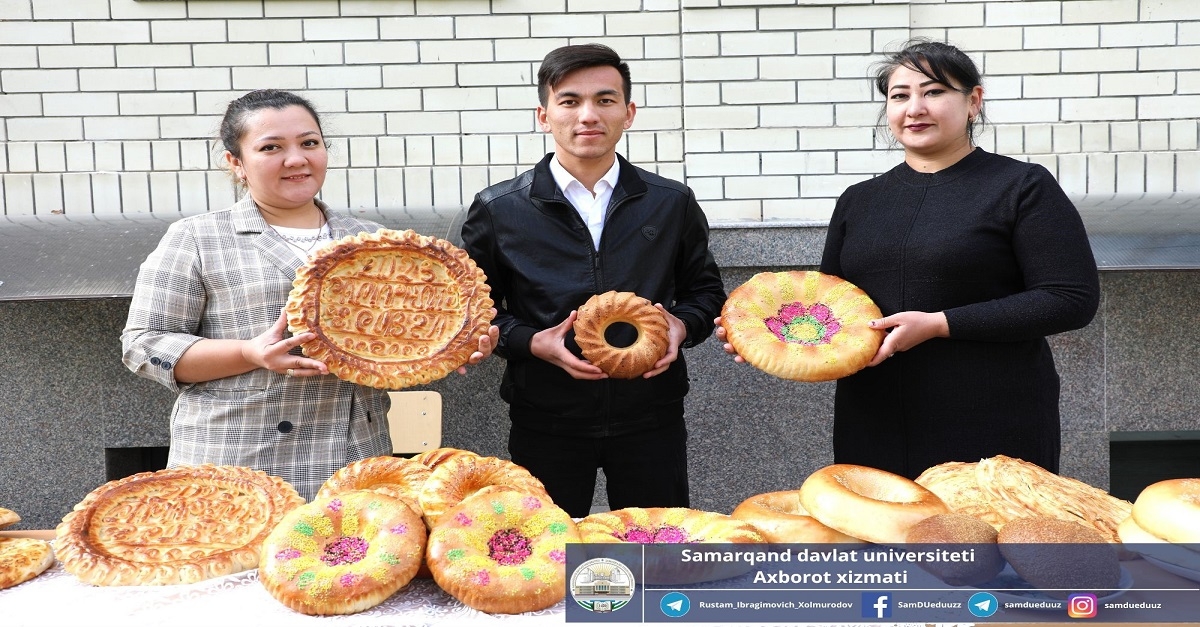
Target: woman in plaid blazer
206 317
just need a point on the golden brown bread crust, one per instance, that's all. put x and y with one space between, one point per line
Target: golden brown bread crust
956 485
656 525
343 554
179 525
1170 510
1001 488
1086 561
503 551
603 310
803 326
672 525
438 456
1146 543
8 518
395 476
868 503
453 481
22 559
960 532
780 517
390 309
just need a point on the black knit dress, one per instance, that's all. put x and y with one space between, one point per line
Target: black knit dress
995 244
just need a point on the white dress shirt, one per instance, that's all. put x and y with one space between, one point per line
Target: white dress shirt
591 207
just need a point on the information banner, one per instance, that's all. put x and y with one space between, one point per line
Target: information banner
866 583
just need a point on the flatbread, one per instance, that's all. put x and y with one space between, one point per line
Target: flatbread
1001 489
390 309
179 525
956 485
1020 489
8 518
22 559
803 326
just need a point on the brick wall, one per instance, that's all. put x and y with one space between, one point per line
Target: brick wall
763 106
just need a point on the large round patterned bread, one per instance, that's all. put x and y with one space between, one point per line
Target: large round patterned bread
804 326
502 550
621 362
179 525
390 309
343 554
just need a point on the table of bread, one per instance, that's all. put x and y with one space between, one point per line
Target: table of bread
57 598
123 557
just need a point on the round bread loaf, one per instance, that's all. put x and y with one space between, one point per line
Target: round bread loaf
604 310
394 476
22 559
1170 509
172 526
390 309
502 550
342 554
1059 556
780 517
456 479
438 456
960 532
1145 543
868 503
804 326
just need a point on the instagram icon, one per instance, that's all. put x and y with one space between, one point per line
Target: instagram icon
1081 605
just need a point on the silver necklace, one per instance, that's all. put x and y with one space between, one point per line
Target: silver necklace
322 234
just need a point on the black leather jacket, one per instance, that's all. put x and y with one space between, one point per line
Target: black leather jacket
541 264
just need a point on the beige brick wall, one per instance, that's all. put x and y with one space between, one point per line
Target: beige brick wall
764 107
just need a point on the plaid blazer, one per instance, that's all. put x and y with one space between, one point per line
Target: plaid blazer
226 275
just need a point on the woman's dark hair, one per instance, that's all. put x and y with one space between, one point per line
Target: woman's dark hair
233 124
940 61
563 61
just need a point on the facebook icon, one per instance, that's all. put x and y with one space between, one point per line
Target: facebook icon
876 605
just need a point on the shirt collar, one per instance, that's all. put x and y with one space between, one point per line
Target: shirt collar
564 178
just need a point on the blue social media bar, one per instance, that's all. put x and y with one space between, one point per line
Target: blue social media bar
794 583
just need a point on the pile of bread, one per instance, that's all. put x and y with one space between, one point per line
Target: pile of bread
476 524
482 527
1011 511
372 528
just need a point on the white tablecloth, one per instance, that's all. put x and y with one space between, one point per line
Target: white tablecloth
57 598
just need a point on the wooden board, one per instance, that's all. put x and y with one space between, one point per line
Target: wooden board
415 421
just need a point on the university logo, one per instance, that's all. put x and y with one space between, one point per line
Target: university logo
602 585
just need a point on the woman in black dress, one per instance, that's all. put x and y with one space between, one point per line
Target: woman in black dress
973 258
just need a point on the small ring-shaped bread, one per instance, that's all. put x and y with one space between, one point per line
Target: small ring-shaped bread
868 503
604 310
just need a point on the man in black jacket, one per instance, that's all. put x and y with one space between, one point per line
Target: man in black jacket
582 222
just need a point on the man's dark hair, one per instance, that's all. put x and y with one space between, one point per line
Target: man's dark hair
563 61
